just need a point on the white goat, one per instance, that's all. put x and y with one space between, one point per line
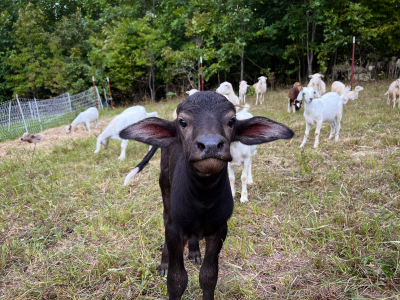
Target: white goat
317 83
393 91
339 88
84 118
226 89
243 91
129 116
323 109
260 88
190 93
353 95
242 154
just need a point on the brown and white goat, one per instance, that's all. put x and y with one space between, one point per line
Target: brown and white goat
292 99
197 197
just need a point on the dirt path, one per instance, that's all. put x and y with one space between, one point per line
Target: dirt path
54 136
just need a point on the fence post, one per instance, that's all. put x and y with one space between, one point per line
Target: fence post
95 96
37 110
69 100
109 90
19 106
105 96
98 95
352 64
30 109
9 116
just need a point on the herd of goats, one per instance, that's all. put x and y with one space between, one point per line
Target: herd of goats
319 107
199 149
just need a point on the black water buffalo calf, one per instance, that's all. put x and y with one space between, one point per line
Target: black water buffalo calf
194 179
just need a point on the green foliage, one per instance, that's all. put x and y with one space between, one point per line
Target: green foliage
29 60
48 48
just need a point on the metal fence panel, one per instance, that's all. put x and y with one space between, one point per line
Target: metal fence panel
22 114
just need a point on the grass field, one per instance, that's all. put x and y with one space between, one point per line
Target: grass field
319 224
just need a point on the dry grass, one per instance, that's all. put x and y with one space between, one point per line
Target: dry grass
320 224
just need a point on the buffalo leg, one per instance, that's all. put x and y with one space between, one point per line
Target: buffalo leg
194 250
177 277
209 269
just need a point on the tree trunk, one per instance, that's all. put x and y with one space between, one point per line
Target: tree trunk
199 78
242 64
310 52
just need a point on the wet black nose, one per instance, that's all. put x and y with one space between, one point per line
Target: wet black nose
210 145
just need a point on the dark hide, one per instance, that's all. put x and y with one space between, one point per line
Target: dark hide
194 179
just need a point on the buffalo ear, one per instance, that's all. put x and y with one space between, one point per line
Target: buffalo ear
258 130
152 131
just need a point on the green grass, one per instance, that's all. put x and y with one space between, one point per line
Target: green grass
319 224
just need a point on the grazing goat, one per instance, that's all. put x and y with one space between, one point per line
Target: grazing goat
195 151
339 88
317 84
292 99
393 91
84 118
352 95
242 153
323 109
226 90
261 88
191 92
243 91
127 117
32 138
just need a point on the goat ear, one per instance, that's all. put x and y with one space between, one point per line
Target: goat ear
152 131
258 130
310 76
300 96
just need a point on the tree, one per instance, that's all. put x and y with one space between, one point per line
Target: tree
29 58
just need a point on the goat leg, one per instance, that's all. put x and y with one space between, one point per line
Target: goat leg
333 126
308 127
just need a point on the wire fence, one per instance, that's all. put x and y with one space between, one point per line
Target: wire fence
21 115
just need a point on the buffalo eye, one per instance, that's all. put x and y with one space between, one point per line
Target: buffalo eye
231 123
182 123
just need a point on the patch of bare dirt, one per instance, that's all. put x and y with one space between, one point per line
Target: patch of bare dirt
54 136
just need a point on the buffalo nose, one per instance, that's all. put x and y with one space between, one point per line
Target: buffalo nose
210 144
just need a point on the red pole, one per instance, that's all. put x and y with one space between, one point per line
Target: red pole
352 63
95 95
109 90
201 66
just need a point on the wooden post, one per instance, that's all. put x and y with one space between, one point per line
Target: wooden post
95 94
352 64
